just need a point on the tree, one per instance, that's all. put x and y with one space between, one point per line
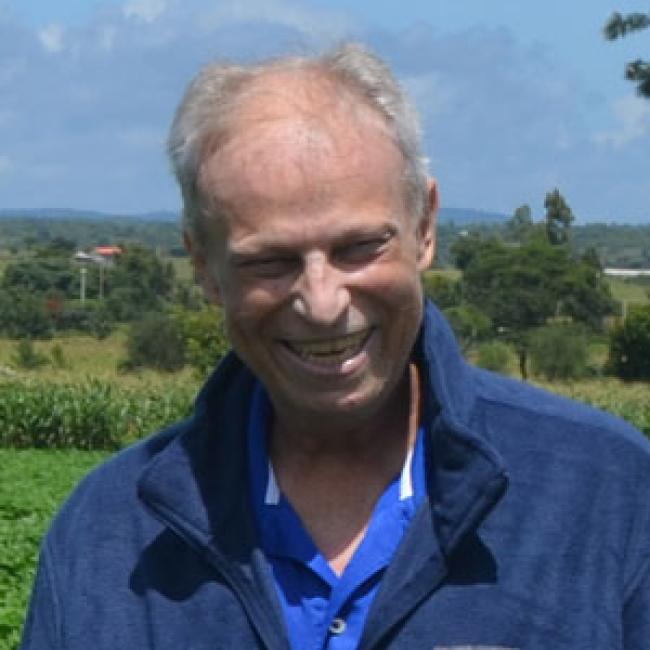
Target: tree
559 351
558 218
618 26
42 275
522 287
629 345
155 341
442 290
24 315
139 282
520 227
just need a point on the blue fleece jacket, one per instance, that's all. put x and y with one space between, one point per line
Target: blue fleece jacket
535 534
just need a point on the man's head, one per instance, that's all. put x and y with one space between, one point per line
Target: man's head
309 218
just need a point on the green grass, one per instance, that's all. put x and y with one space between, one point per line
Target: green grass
86 357
628 291
32 485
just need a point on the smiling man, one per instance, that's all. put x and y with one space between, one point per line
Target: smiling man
346 480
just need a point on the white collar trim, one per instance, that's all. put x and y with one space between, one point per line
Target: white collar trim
272 496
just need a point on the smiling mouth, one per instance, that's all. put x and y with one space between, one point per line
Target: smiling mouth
331 351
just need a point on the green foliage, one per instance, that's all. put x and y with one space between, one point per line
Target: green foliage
520 227
637 71
494 355
442 290
559 351
58 357
32 486
520 287
558 218
469 323
140 282
23 314
629 347
205 336
27 357
155 341
21 230
41 275
89 415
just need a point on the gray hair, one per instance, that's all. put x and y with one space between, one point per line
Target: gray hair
210 102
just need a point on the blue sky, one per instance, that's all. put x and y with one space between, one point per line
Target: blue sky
516 98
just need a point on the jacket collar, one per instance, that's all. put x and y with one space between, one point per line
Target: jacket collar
198 485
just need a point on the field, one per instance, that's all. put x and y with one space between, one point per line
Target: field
32 485
79 396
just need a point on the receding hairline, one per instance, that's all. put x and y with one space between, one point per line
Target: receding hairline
311 80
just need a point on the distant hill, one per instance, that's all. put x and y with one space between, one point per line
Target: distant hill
69 213
459 216
462 216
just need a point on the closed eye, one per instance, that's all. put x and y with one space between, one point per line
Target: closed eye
269 267
364 250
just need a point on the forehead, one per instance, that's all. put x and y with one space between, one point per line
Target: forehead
297 136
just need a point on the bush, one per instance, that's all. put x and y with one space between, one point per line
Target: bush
27 357
629 345
58 357
155 341
443 291
205 336
559 351
494 355
24 315
469 324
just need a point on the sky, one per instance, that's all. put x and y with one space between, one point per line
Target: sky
515 98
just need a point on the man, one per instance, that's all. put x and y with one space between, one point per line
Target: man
346 480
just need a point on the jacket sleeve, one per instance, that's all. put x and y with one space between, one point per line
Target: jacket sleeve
636 613
42 627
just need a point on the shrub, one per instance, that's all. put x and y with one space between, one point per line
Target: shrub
24 315
469 324
494 355
58 358
443 291
629 345
27 357
155 341
559 351
205 336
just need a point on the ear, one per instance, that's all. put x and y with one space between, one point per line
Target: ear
201 270
426 229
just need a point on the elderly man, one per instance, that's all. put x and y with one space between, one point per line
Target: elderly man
346 480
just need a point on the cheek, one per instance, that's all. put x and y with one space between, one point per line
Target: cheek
250 303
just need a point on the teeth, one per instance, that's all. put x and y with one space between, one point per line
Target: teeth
332 350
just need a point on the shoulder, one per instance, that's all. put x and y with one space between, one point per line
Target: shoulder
107 496
527 411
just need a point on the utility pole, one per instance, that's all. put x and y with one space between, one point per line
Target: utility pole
101 280
82 286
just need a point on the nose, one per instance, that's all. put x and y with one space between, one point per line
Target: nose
321 295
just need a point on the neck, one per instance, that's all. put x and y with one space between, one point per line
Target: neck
388 433
333 480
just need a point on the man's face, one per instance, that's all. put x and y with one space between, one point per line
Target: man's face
317 260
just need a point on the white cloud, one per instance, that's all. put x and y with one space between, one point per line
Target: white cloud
633 117
144 10
278 12
51 38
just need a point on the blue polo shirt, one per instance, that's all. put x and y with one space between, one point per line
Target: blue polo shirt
323 610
